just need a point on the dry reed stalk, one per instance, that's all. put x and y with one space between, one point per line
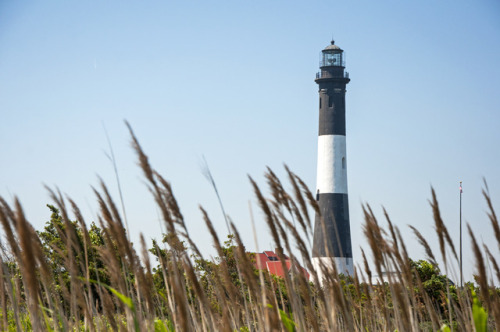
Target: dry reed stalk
491 214
153 185
163 265
496 230
281 198
272 309
16 290
310 198
165 200
428 305
147 285
373 233
3 302
245 268
305 222
425 244
223 323
443 235
302 284
266 210
72 245
248 285
7 218
170 202
184 322
441 230
289 284
491 300
461 317
108 305
391 258
115 225
263 309
143 159
334 305
90 310
201 300
179 283
110 255
323 303
395 242
493 261
367 266
28 263
403 266
228 286
357 310
128 260
370 311
277 191
174 213
482 278
368 291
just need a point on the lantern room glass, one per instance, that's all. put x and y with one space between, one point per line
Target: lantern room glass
332 59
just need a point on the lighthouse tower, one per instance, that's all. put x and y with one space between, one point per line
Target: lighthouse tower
332 235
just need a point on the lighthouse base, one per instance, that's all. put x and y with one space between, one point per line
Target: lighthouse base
326 265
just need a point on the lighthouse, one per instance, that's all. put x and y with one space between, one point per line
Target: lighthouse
332 235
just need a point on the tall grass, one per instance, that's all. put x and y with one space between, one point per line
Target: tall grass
88 277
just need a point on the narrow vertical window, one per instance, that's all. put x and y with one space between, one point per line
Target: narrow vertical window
319 101
343 162
330 101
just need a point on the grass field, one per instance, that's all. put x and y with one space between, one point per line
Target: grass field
74 275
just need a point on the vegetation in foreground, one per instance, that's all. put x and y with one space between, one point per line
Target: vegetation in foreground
89 277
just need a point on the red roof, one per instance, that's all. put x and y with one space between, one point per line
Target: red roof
277 269
270 254
262 258
269 261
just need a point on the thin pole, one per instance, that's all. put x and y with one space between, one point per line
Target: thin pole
461 271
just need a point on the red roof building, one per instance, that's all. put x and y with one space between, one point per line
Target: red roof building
269 260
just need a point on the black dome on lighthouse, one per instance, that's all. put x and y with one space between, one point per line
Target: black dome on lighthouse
332 47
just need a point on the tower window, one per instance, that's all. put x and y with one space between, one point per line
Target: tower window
320 102
330 101
343 162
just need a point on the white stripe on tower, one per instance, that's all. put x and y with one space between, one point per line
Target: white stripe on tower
332 179
324 266
332 169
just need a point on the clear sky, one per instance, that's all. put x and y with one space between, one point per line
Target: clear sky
234 81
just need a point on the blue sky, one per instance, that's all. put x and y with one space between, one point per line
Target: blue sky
234 81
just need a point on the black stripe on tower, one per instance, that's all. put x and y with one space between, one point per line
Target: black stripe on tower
332 110
334 209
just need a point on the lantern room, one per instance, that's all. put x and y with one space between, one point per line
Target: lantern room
332 56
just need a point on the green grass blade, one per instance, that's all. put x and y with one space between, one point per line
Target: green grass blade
479 314
125 299
286 319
